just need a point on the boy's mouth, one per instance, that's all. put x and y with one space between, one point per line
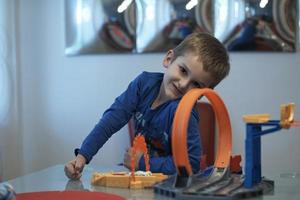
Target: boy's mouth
177 92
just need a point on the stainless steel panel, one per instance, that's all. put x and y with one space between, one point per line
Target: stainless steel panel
102 26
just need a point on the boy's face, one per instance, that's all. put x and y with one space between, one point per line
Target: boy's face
182 74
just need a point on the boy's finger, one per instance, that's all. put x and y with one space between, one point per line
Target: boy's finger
77 177
69 171
79 166
69 168
79 163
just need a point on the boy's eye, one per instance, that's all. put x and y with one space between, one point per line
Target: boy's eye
197 85
182 70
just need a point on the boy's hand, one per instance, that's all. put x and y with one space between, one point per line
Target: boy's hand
127 158
73 169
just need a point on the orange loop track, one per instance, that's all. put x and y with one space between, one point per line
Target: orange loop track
180 127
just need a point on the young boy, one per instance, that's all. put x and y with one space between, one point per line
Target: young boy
200 61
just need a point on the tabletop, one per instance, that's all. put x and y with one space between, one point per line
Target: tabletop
53 179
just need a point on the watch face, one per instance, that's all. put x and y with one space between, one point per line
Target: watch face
163 24
117 37
99 26
255 26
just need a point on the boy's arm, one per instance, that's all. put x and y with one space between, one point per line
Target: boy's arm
112 120
166 165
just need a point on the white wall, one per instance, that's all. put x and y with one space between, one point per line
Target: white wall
10 135
63 97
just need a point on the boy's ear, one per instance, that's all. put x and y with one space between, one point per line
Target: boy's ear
168 58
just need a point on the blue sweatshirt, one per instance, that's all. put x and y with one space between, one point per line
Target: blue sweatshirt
154 124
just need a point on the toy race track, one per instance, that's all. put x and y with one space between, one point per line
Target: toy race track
133 180
219 182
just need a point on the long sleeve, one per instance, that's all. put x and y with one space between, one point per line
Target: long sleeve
112 120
